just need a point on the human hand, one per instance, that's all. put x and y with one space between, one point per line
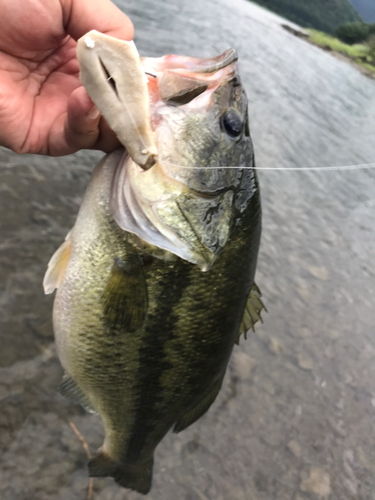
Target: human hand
43 107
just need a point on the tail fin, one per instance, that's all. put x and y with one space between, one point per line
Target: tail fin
137 477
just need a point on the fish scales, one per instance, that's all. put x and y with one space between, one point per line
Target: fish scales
154 278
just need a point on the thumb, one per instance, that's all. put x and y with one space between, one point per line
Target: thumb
84 127
81 16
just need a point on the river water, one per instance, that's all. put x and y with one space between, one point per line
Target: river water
295 418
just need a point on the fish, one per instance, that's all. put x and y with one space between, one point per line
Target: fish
155 282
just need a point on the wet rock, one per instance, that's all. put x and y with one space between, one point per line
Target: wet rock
200 494
294 448
333 334
350 481
320 273
317 482
42 330
191 447
4 392
296 31
274 346
303 333
268 387
363 458
298 411
351 485
243 365
305 362
303 292
337 427
328 352
261 481
340 405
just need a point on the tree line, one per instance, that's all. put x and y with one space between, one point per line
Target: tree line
323 15
356 32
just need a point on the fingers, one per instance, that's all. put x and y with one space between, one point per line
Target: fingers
81 16
82 122
84 127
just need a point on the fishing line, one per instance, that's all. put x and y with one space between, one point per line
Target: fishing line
360 166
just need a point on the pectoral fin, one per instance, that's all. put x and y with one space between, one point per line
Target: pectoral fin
251 315
57 266
200 408
125 296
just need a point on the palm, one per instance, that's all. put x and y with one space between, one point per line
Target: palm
35 95
39 71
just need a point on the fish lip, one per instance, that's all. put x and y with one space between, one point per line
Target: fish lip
228 57
191 64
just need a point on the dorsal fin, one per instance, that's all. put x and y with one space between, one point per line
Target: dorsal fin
253 308
57 265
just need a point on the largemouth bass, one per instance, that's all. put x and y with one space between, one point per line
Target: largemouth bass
155 282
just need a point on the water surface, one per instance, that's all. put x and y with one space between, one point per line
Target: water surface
295 419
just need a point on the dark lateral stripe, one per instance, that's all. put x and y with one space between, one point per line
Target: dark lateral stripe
153 360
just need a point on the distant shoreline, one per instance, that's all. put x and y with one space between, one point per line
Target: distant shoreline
307 35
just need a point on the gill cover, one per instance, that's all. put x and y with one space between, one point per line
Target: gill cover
186 203
165 214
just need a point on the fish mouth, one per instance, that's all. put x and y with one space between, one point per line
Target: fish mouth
178 80
120 84
154 65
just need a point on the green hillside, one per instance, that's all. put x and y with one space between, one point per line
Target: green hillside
323 15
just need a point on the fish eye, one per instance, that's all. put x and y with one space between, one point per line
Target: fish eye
232 123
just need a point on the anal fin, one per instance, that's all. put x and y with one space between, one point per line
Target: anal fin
200 408
253 308
69 389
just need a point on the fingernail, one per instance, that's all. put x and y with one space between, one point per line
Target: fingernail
93 113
